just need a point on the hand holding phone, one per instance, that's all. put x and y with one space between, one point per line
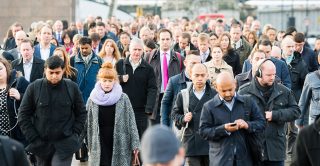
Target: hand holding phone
231 127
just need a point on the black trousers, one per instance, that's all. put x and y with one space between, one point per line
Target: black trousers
141 121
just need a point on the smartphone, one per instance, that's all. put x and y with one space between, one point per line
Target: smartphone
233 124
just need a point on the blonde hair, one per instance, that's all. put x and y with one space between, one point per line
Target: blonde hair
116 52
68 71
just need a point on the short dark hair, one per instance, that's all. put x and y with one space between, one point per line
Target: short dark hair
54 62
124 33
186 35
164 30
101 24
85 40
92 25
291 29
299 37
150 43
27 40
94 37
264 42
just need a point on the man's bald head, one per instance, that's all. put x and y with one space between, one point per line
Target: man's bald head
268 72
287 45
198 67
276 52
225 77
225 86
20 36
199 76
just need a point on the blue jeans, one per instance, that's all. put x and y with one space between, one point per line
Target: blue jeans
273 163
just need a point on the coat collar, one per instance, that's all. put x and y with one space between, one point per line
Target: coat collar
142 64
255 91
79 58
173 55
217 101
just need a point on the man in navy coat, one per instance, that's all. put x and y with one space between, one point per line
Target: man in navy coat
222 124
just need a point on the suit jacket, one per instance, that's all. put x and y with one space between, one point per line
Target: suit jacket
175 67
36 71
37 52
310 58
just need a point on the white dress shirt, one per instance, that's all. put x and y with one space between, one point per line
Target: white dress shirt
44 52
27 67
199 94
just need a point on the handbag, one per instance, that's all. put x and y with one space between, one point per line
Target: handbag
255 146
135 158
82 153
254 140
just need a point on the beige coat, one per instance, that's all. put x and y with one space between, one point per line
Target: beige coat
212 70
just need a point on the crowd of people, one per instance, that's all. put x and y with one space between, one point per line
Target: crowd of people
226 92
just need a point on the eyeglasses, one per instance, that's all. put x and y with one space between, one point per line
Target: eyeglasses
216 70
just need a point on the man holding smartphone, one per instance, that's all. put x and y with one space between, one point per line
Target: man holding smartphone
223 124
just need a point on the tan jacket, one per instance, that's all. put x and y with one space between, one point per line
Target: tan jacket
213 71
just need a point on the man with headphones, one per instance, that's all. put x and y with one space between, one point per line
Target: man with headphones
278 105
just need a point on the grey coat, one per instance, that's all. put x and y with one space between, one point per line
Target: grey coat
125 136
310 97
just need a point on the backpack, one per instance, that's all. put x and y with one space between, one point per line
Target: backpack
179 132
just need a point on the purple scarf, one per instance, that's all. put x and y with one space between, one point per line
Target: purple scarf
99 97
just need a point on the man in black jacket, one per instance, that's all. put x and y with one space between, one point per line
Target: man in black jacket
138 81
278 105
197 149
30 66
52 116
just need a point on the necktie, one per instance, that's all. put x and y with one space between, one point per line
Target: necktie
204 57
59 37
165 71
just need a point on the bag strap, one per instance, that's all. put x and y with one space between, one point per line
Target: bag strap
136 161
38 93
124 67
185 100
318 73
180 60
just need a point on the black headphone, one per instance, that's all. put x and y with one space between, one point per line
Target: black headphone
259 71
